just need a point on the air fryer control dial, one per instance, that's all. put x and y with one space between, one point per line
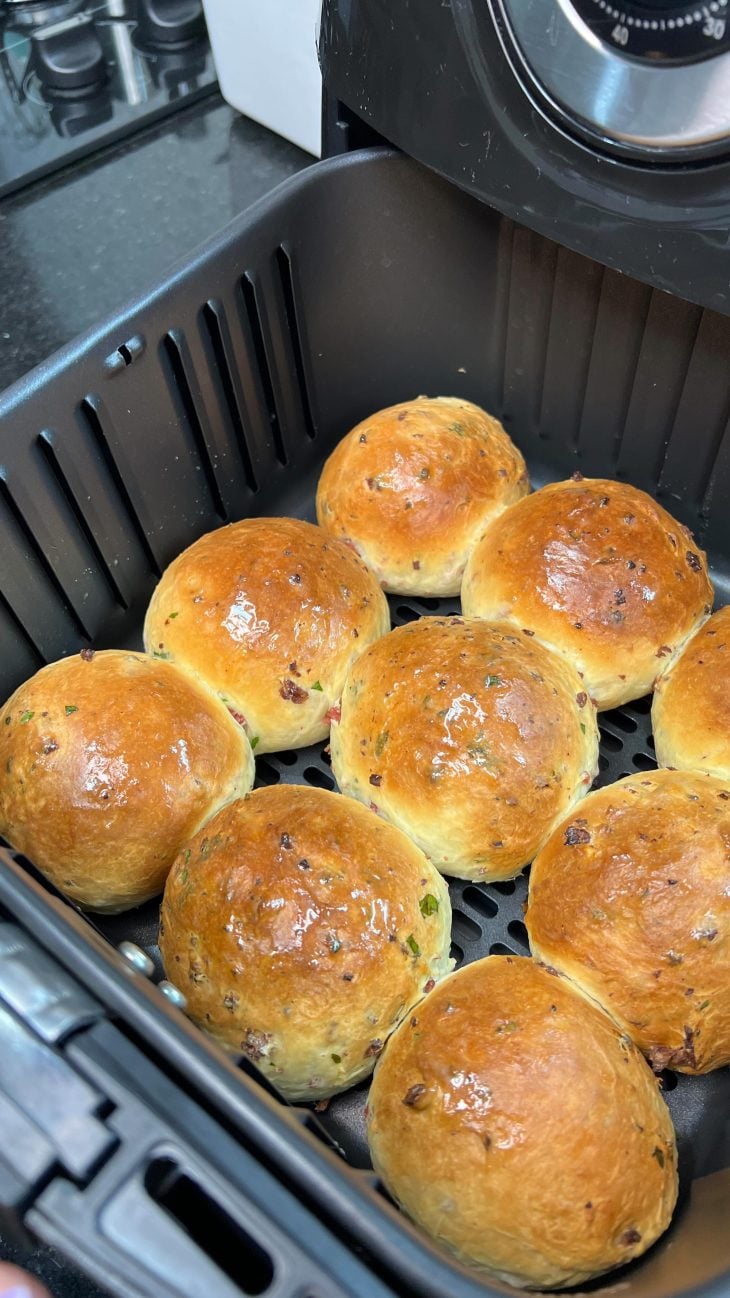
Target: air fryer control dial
643 76
654 29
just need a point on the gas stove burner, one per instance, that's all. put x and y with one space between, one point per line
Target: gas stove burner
68 59
77 74
169 24
37 13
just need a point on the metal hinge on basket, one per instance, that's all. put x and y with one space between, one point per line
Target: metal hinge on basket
105 1157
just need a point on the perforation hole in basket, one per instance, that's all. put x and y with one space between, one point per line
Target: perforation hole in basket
457 954
266 773
407 614
214 321
622 720
286 275
505 886
253 317
181 381
517 930
48 451
610 742
318 778
28 544
464 928
668 1079
480 901
95 422
501 948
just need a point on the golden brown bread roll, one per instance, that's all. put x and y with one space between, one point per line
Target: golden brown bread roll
301 929
601 573
471 737
269 612
109 762
514 1123
631 899
691 707
414 486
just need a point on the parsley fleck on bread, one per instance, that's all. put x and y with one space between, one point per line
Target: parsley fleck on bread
301 929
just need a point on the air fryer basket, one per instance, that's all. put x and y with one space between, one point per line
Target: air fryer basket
363 281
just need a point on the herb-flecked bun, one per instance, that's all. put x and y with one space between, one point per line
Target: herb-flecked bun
468 735
301 929
269 612
691 707
413 487
631 898
109 762
520 1128
600 573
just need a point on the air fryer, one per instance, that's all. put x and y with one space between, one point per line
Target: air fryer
567 269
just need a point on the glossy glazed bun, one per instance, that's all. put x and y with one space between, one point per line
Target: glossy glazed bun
414 486
601 573
109 762
269 612
301 929
515 1124
471 737
631 899
691 706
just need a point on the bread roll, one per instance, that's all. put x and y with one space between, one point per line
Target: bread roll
601 573
301 929
109 762
631 899
691 707
414 486
471 737
269 612
515 1124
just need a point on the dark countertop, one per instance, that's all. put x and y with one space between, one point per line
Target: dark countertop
77 245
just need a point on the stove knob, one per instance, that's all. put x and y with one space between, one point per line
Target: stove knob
68 55
170 22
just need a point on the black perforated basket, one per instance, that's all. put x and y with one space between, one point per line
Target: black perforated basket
363 281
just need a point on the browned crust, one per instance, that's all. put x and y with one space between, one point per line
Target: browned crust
413 486
301 928
470 736
691 707
637 910
599 571
269 612
516 1125
108 763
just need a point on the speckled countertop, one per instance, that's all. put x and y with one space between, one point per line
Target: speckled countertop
76 246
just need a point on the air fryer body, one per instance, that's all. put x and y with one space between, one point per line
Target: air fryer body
457 85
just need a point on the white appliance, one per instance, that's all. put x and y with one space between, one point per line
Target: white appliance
265 52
